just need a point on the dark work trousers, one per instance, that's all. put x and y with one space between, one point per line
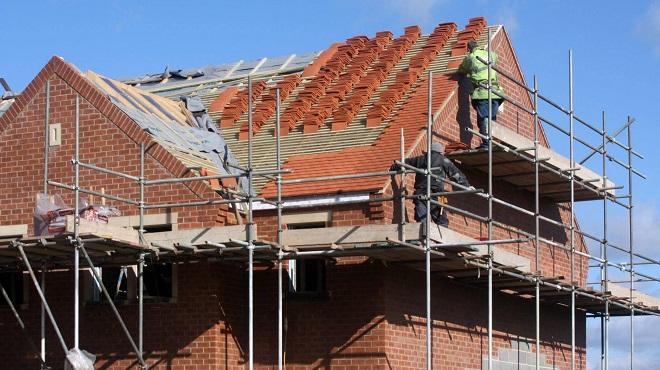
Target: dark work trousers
436 211
481 106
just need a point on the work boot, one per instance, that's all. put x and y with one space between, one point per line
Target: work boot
442 221
483 145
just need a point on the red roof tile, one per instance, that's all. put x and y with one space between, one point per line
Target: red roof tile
219 103
371 158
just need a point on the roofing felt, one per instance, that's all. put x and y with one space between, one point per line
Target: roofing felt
347 106
171 125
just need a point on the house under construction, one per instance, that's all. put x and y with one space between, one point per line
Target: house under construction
255 221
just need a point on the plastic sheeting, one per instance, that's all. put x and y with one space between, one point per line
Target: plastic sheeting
202 118
78 359
204 140
166 122
4 105
50 213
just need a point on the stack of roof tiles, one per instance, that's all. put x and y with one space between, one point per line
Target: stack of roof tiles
471 32
219 104
265 109
405 78
369 51
316 88
238 105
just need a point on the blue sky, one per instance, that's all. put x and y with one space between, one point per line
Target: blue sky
616 49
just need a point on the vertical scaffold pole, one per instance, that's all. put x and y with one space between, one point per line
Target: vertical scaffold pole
604 328
141 304
537 250
630 243
402 189
44 268
249 235
427 238
141 204
43 271
572 190
490 207
99 280
280 241
76 233
141 257
46 137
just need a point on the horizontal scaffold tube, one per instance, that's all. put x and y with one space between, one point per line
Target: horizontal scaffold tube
91 192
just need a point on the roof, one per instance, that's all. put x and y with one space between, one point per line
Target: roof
171 124
343 111
374 157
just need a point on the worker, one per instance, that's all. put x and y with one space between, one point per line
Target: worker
441 167
478 73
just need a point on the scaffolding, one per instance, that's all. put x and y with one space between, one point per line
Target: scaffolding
392 241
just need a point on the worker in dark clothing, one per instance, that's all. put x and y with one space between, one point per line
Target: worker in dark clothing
441 167
477 70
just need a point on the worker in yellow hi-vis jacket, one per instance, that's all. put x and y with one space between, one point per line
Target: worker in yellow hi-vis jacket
478 73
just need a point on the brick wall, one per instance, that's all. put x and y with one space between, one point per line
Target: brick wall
103 142
460 319
200 330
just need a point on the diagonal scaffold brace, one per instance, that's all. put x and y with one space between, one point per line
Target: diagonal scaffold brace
21 324
19 246
80 245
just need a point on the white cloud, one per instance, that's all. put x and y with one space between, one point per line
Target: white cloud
648 28
419 11
507 16
646 231
647 352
